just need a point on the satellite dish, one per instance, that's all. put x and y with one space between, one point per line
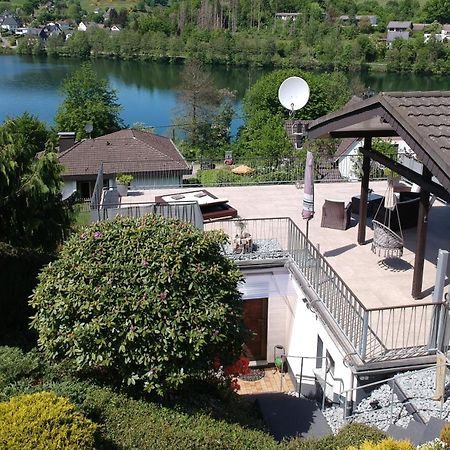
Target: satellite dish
89 128
293 93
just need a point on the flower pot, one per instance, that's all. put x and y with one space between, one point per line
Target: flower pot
122 189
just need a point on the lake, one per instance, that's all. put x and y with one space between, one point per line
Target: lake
147 90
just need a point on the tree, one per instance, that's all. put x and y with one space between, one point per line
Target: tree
152 302
88 98
263 133
437 10
32 213
205 112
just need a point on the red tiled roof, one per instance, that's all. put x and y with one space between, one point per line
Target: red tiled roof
130 151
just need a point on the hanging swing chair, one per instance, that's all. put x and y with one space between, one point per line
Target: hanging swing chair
386 242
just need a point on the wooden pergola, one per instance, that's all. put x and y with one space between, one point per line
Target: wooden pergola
422 120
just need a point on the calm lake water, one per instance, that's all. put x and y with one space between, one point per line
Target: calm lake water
146 90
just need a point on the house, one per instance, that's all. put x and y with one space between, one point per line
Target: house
347 20
442 36
51 29
84 26
393 35
114 29
399 26
287 16
9 22
417 27
153 160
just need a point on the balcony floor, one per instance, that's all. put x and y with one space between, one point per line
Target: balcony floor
374 284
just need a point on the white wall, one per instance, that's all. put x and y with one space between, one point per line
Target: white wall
68 188
293 325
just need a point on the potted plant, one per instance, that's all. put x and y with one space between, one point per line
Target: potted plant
123 181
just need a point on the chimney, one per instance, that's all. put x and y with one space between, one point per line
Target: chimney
66 140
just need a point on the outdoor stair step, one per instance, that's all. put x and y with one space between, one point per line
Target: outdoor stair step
288 416
396 432
415 431
433 429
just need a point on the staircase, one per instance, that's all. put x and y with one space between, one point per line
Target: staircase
416 432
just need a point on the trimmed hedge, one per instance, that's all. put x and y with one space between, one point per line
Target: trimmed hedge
19 268
44 421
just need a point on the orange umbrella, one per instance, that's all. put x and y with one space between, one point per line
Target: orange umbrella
243 170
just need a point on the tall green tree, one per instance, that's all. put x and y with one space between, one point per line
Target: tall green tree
88 98
32 213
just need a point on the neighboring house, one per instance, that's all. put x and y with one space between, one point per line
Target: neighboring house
27 31
9 23
348 161
442 36
84 26
153 160
114 29
398 26
347 20
51 29
417 27
393 35
287 16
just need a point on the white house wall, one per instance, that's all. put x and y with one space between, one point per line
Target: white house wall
292 325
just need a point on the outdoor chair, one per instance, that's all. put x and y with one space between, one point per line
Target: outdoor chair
336 214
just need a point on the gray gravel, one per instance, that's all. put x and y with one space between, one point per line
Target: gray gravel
419 386
261 249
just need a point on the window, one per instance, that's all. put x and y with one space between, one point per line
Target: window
330 362
319 353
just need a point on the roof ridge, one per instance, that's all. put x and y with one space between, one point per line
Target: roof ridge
416 94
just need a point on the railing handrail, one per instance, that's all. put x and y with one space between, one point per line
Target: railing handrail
409 305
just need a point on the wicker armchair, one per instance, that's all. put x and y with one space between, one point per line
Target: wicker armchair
336 215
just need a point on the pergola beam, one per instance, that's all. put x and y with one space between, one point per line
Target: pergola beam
425 183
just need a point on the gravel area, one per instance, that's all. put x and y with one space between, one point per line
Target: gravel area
419 387
261 249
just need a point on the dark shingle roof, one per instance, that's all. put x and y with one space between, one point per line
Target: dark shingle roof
130 151
399 24
422 119
393 35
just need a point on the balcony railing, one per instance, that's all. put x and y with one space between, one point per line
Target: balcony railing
262 171
374 334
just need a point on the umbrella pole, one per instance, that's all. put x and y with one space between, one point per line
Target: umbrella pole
307 228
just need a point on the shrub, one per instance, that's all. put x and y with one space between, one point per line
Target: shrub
149 301
14 365
217 177
355 434
43 421
125 179
445 434
385 444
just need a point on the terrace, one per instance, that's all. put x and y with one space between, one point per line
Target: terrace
365 300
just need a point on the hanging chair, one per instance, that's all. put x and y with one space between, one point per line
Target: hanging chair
386 242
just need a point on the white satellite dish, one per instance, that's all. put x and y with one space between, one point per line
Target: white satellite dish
293 93
89 128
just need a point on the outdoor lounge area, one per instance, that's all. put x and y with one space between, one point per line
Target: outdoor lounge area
375 283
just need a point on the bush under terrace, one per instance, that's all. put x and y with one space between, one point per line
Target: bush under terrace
44 421
149 302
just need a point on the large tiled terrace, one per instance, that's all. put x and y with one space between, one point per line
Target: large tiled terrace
374 284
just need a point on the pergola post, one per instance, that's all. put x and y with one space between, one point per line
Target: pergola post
364 191
421 241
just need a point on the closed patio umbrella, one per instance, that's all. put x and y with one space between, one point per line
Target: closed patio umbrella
308 191
243 170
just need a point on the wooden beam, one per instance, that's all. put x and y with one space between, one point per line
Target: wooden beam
354 133
421 241
364 192
417 178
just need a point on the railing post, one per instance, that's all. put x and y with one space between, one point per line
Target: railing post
300 381
365 331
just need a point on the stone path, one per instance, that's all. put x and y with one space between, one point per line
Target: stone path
271 382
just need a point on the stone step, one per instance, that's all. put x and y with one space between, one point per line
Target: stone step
414 432
288 416
433 429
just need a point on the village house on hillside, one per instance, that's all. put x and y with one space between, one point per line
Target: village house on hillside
153 160
9 22
347 20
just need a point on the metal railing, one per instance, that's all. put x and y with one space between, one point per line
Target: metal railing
385 333
262 171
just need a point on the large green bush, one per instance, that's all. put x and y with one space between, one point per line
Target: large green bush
150 301
43 421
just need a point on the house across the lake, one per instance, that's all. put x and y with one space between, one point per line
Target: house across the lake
153 160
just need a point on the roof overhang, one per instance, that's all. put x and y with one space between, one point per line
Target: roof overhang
379 117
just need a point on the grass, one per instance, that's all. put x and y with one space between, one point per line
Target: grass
82 215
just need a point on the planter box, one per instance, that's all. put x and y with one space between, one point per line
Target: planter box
122 189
